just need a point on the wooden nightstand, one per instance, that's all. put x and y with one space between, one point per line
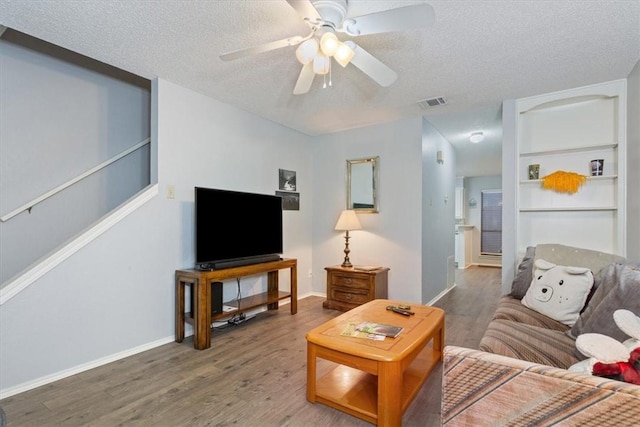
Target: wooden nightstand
349 287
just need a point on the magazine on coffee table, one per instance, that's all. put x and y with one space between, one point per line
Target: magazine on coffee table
379 329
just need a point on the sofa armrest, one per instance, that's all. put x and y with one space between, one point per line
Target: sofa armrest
481 389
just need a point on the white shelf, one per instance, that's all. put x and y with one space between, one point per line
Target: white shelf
589 178
566 131
570 209
565 101
570 150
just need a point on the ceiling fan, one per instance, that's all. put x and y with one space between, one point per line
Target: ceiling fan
328 17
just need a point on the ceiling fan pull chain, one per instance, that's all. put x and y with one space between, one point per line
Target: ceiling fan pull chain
330 61
324 77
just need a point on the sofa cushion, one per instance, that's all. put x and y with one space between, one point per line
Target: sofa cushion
619 289
561 255
559 291
510 308
531 343
578 257
524 275
480 389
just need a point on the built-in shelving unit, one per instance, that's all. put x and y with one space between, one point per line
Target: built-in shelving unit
566 131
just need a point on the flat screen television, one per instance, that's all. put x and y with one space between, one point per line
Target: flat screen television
234 228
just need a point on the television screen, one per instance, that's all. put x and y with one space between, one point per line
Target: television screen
236 228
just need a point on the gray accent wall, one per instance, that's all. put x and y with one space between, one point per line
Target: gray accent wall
62 114
438 211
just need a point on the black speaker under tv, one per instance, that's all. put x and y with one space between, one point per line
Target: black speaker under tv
234 228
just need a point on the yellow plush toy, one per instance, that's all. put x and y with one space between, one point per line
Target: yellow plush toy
564 182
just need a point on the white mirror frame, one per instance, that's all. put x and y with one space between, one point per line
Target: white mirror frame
362 185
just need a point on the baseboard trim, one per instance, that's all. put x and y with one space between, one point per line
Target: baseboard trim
440 295
480 264
29 385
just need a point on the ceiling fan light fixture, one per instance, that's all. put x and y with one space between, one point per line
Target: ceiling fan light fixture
344 54
321 64
476 137
307 51
329 43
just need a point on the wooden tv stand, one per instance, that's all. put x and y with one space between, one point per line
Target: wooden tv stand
201 281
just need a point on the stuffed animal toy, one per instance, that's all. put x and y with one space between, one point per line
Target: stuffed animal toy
628 323
558 291
609 358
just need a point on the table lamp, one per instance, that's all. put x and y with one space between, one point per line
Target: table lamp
347 221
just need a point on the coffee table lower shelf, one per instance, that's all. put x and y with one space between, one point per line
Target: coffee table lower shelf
355 392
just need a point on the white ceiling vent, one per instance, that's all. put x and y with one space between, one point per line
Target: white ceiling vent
427 104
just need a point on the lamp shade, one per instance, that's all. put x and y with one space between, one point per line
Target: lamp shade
329 44
321 64
348 220
307 51
344 54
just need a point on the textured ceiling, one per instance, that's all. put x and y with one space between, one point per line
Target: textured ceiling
477 54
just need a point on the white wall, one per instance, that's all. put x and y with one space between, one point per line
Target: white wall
390 238
509 182
633 160
438 213
117 294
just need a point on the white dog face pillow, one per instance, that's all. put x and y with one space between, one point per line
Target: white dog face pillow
558 291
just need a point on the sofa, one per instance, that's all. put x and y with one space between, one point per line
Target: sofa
523 372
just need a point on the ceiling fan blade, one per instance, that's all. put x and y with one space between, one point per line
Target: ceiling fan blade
291 41
305 9
372 66
305 79
399 19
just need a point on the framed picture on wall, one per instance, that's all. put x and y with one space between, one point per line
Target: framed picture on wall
290 200
287 180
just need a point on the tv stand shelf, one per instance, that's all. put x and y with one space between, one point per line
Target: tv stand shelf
201 281
246 303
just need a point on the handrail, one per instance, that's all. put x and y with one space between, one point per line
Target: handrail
20 282
32 203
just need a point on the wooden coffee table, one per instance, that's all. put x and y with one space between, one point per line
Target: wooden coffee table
375 380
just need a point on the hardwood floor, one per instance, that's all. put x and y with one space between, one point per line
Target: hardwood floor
253 375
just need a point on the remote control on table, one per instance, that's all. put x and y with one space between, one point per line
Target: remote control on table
400 311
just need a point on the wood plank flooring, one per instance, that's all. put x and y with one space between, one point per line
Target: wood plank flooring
253 375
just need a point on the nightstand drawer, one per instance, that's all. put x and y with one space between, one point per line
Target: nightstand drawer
349 295
350 281
348 288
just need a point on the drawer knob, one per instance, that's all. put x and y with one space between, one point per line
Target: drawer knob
348 296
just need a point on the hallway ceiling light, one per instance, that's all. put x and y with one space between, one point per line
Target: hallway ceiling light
476 137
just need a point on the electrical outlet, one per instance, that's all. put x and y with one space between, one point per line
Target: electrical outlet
310 273
171 191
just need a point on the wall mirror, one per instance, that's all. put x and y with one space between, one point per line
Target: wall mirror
362 185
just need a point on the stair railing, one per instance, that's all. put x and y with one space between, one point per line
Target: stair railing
29 205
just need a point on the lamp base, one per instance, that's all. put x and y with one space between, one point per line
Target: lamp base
346 262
